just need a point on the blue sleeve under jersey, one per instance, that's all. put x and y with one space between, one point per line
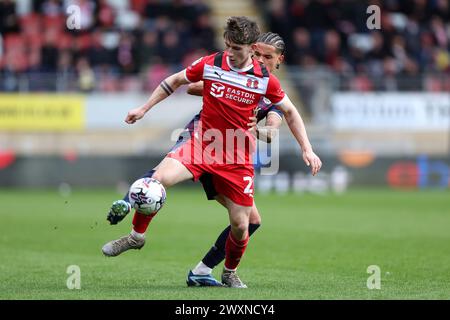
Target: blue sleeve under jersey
275 109
264 111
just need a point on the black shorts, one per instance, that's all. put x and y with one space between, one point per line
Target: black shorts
207 183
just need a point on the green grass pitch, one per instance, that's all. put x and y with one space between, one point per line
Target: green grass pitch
308 247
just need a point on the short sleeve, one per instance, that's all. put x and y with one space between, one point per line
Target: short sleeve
194 72
274 91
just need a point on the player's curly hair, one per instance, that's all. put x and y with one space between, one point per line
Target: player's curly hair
241 30
273 39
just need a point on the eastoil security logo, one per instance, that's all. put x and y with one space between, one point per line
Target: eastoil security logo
217 90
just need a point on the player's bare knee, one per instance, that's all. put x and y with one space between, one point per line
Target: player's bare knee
170 172
158 176
161 178
239 226
255 218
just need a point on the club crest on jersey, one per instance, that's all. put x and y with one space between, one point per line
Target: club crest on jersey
252 83
217 90
267 101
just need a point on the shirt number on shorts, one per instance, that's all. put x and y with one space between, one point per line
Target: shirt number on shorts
248 189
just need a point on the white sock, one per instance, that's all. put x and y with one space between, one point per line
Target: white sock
201 269
137 235
232 270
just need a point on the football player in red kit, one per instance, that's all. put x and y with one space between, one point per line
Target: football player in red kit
234 83
269 49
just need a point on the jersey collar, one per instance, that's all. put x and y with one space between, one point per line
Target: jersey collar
248 68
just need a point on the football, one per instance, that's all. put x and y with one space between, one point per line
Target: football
147 195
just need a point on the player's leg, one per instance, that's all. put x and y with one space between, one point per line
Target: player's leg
201 275
216 253
169 173
236 242
121 208
235 184
148 174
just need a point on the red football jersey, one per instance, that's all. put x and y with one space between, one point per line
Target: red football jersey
230 97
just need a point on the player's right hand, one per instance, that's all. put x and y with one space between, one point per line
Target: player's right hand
313 161
134 115
252 124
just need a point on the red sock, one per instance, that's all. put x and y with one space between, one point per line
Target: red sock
234 250
141 221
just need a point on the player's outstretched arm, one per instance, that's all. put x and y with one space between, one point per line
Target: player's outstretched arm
165 89
297 127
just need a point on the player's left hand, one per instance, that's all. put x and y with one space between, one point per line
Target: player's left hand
313 161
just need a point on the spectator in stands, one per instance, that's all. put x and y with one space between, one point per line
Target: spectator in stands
87 11
51 8
127 37
148 49
126 54
49 51
40 42
86 76
203 33
331 51
301 46
106 14
8 17
97 53
171 52
64 70
394 52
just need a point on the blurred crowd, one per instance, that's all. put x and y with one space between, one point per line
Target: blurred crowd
121 44
414 39
134 44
